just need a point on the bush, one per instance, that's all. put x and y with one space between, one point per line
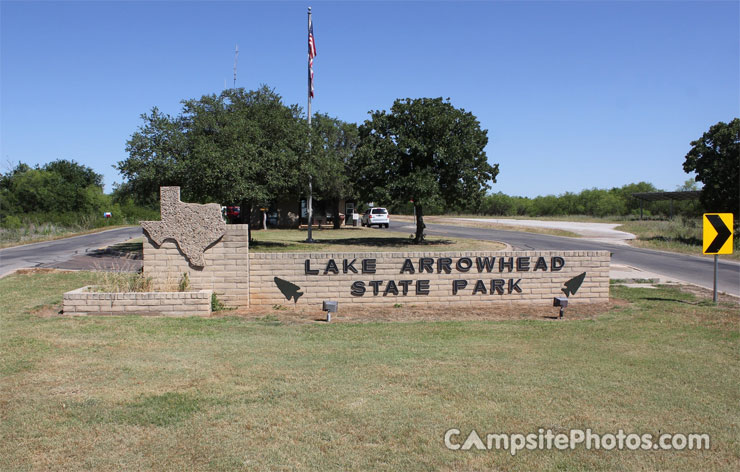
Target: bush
216 304
66 194
615 202
184 284
117 282
11 222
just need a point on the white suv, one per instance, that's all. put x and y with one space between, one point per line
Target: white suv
376 216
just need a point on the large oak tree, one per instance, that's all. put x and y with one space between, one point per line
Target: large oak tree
715 157
239 147
423 150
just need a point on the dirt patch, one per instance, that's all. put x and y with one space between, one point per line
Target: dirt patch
412 313
706 294
47 311
38 270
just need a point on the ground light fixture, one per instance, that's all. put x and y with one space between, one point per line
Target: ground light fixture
562 302
329 307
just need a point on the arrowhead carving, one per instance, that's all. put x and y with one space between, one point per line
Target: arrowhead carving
572 286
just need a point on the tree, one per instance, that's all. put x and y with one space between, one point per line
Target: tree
60 186
239 147
423 150
715 157
75 174
333 144
156 155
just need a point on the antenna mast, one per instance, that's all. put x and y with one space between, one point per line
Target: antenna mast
236 57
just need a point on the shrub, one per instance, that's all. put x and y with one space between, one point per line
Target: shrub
216 304
11 222
118 282
184 284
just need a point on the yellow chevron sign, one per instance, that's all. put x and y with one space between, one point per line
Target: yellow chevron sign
717 233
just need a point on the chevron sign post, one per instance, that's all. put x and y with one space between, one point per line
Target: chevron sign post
717 233
717 239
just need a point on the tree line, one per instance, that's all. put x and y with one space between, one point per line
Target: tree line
421 156
66 192
617 201
63 192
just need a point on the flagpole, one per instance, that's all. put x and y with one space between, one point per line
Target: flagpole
236 57
310 179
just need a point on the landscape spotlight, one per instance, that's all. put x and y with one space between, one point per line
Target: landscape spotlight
329 307
562 302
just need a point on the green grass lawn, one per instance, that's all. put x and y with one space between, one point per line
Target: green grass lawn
458 221
359 240
231 393
677 235
580 218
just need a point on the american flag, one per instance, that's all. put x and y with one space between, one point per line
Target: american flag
311 55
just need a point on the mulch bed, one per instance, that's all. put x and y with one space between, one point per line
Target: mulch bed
413 313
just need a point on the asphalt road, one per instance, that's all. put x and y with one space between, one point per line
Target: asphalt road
56 253
693 269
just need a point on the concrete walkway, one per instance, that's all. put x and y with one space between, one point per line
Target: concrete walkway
602 232
634 274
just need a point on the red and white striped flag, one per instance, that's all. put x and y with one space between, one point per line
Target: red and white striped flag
311 55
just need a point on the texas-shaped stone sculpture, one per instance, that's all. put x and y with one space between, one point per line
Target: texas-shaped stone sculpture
192 226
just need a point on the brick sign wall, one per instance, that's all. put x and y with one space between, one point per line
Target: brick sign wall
192 239
226 269
418 278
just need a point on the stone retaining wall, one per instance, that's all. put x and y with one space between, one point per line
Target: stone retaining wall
84 302
524 277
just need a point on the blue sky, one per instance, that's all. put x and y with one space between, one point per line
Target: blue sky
574 95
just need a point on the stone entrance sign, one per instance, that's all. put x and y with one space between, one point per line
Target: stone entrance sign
193 239
460 278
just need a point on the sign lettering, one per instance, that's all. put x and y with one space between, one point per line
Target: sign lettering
463 265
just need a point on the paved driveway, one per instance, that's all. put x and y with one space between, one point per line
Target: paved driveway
77 252
604 232
691 269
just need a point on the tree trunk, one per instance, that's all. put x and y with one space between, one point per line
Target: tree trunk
337 222
309 209
419 224
245 216
264 219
